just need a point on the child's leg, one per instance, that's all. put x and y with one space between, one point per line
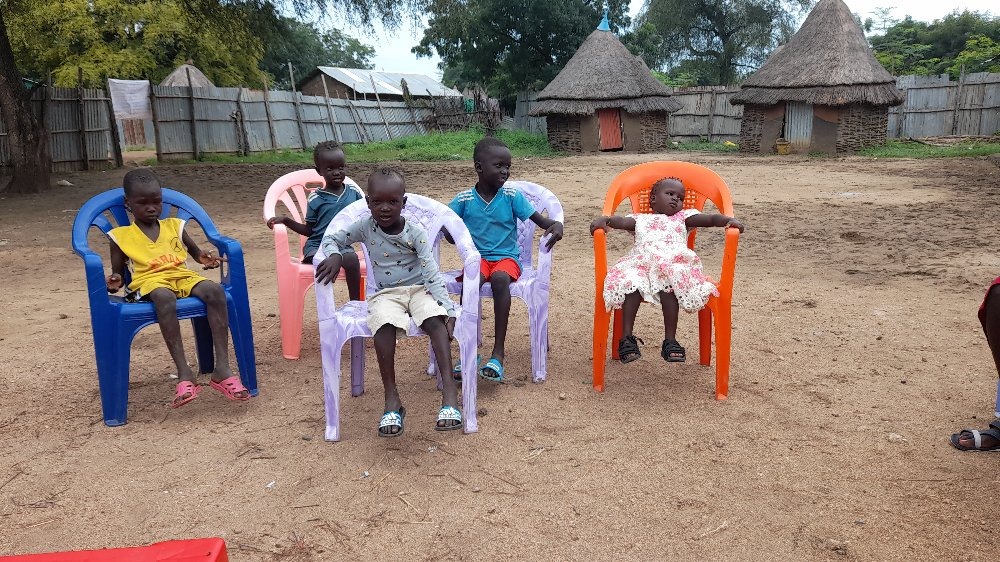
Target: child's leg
630 308
438 332
500 283
352 269
990 320
165 302
385 351
214 297
668 302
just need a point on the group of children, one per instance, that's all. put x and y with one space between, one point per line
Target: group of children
659 268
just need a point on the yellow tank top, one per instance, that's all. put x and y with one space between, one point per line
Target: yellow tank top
152 259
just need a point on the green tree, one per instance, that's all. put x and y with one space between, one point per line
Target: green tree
915 47
111 30
510 45
734 36
306 47
981 54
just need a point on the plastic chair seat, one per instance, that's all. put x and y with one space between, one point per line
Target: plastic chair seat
532 287
294 277
115 322
337 325
701 184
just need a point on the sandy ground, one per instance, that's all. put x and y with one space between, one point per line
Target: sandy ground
856 353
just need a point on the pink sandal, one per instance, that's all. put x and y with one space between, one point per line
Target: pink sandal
185 388
231 387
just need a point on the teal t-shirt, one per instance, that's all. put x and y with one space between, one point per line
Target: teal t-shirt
493 225
322 206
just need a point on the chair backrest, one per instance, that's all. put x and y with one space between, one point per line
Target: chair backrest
106 211
430 214
291 191
700 184
546 203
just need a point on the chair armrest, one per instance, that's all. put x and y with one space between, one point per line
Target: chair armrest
600 266
234 268
470 286
544 270
97 286
729 262
281 252
326 300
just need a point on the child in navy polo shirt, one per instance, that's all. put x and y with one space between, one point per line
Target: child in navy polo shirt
323 205
491 211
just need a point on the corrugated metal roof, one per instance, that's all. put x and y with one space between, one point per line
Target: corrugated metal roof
360 80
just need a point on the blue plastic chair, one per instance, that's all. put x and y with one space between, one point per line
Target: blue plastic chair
115 322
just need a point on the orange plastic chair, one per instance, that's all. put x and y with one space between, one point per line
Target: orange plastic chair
700 184
294 277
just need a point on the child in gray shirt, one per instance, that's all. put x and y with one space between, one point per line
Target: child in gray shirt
409 286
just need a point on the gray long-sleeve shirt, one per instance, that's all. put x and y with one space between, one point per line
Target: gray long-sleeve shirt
397 260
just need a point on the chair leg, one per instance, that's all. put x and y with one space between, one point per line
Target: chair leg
600 350
538 328
113 354
432 370
204 345
242 334
470 379
331 388
357 366
290 305
705 336
723 348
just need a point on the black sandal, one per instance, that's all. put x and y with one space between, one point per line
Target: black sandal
672 352
628 349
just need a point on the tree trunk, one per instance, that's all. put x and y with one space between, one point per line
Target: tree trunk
27 139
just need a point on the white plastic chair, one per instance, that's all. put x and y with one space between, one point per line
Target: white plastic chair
338 325
533 285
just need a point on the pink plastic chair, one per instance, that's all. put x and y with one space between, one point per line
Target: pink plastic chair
533 285
338 325
294 277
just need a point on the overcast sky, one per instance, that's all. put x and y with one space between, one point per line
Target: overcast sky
393 49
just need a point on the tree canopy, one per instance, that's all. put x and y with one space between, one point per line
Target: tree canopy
510 45
306 47
942 46
720 41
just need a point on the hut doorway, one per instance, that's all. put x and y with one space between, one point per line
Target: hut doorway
610 121
799 124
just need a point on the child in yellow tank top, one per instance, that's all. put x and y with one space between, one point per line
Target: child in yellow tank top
155 251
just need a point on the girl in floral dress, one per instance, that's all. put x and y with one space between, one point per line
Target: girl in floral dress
659 268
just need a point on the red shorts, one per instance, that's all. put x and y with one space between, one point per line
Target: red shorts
506 265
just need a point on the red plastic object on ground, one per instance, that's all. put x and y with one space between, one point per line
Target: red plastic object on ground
191 550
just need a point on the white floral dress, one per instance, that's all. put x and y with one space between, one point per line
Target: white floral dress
659 261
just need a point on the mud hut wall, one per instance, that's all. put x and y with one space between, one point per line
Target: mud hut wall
751 128
631 131
590 133
655 131
564 132
861 125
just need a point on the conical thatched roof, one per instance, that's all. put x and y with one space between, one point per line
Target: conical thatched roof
603 73
827 62
179 77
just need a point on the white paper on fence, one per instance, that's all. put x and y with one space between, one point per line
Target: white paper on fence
130 98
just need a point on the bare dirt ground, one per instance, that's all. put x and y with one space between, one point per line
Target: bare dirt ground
856 353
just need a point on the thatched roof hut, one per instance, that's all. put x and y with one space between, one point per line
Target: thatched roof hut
604 85
179 77
828 64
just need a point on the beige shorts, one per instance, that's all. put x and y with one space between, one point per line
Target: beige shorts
397 305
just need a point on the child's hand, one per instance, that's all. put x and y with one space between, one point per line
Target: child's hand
556 232
450 325
280 219
326 273
209 261
600 223
733 223
114 282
